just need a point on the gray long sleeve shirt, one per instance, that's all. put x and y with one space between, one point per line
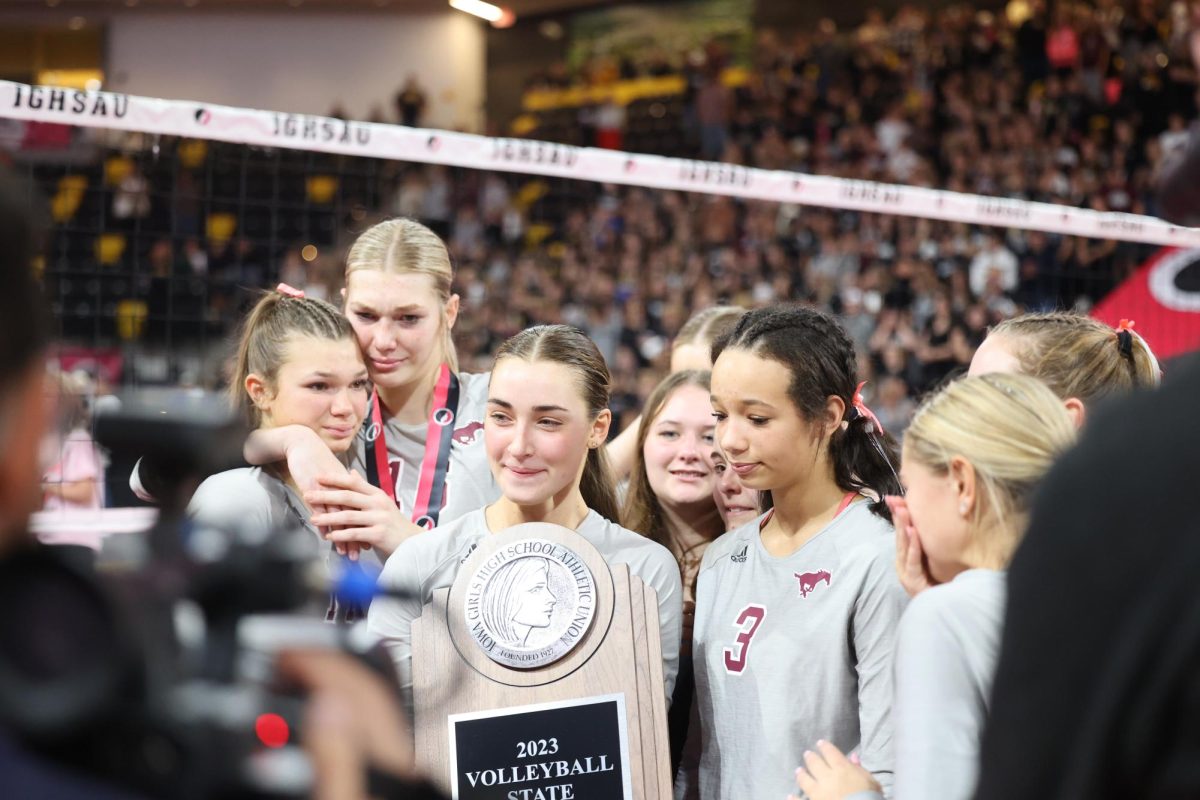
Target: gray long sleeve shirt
946 654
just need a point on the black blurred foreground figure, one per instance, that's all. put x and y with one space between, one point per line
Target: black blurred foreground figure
98 696
1097 692
23 417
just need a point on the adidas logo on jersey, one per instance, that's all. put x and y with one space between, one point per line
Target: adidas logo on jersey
740 556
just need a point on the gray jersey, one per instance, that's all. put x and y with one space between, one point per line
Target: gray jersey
791 650
946 653
249 499
431 561
469 482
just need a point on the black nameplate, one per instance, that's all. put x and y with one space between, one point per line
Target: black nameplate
573 750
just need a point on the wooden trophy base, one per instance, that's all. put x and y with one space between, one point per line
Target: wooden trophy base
590 726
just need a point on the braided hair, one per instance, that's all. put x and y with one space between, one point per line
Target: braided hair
1077 356
821 360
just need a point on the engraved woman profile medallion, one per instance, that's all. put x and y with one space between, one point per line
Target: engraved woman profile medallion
530 603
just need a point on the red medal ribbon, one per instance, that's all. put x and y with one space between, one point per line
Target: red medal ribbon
439 437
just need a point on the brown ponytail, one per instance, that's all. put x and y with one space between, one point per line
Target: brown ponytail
597 487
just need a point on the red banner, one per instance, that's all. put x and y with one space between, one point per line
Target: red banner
1163 298
100 362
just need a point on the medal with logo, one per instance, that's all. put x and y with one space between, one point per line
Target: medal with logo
530 603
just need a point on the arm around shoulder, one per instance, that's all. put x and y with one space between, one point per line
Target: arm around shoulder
266 446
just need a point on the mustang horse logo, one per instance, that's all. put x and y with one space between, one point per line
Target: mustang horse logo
809 580
466 434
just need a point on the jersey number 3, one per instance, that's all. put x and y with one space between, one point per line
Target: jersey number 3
747 625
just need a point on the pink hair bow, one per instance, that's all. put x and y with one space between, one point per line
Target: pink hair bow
290 291
863 411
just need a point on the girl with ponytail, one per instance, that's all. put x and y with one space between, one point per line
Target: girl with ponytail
796 610
1082 360
297 365
546 422
418 461
974 456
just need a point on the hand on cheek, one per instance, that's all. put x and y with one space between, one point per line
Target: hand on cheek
911 564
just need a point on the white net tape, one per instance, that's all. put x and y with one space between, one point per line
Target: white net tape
303 132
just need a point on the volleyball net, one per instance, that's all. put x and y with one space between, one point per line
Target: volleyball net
167 215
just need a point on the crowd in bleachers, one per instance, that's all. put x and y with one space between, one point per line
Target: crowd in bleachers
1077 108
